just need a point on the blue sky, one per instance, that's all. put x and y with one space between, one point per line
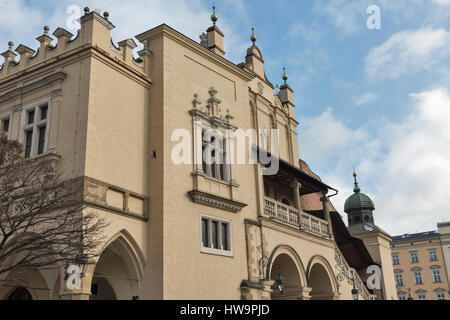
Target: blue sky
376 100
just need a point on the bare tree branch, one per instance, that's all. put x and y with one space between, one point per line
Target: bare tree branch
43 220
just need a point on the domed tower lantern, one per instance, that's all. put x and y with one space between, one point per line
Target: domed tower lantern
359 207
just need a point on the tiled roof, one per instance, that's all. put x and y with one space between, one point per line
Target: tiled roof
416 236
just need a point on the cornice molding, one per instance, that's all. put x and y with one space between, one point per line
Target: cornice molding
214 201
58 76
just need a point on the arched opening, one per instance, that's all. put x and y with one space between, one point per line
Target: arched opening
20 294
101 289
284 267
24 284
116 274
320 282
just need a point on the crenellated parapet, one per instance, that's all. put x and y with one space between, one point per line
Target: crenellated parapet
95 32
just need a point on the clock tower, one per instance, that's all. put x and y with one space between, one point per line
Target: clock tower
361 224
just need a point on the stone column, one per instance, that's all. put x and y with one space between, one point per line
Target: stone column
296 190
306 293
81 293
326 213
298 204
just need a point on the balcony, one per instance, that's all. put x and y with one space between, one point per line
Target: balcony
290 215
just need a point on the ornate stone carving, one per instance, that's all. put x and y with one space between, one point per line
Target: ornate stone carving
204 40
260 88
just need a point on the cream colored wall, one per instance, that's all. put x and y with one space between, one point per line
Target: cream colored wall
189 274
379 248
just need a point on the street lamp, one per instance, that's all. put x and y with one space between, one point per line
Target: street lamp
280 283
409 294
354 290
82 260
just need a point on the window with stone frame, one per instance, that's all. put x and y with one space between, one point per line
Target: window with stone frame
214 155
440 296
421 296
5 125
418 279
437 276
35 120
399 279
433 255
395 259
414 257
216 236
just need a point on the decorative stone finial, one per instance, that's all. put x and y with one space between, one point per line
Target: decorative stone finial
214 16
86 10
356 189
196 102
10 45
46 30
285 76
106 15
253 37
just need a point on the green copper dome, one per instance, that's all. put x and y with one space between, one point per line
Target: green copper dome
358 200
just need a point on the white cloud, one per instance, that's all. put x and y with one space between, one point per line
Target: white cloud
350 17
408 52
404 166
347 16
366 98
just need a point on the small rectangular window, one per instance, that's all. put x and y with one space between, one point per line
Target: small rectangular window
399 279
440 296
395 260
422 296
437 276
42 131
225 237
31 117
418 277
414 257
205 233
6 125
433 255
28 143
44 111
35 128
216 236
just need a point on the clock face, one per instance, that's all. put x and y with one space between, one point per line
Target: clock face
368 228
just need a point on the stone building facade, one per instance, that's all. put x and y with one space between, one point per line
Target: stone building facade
176 230
420 263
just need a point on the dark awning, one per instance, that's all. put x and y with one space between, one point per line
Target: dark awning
288 174
353 249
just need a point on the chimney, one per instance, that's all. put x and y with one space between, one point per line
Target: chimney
286 95
63 37
215 36
127 46
25 54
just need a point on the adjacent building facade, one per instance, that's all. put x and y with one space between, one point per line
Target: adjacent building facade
420 263
179 229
